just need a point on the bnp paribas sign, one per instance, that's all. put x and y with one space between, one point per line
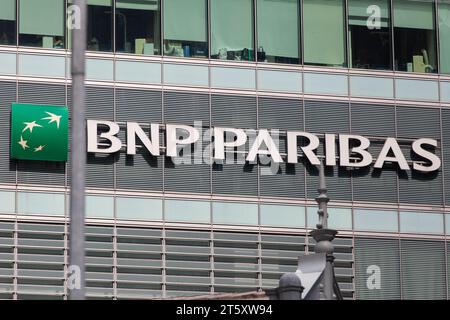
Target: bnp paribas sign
40 133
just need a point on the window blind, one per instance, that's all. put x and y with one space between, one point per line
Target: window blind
413 14
185 20
278 22
231 24
8 10
43 17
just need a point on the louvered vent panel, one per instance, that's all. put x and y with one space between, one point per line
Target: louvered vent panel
141 172
326 117
99 103
373 258
423 269
446 152
337 179
233 111
50 94
185 108
373 120
414 123
288 181
235 179
138 105
282 114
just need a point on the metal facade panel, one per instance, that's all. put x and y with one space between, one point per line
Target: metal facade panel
143 106
372 254
278 113
373 120
140 172
235 179
189 177
185 108
288 181
7 166
39 93
446 152
423 269
233 111
327 117
338 181
415 123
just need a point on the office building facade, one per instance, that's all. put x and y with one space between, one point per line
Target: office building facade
161 228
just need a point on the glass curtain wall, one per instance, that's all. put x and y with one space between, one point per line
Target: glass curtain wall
138 26
444 36
232 30
414 36
278 31
369 34
185 28
8 22
324 32
41 23
100 25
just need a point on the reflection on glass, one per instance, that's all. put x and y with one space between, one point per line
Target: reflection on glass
324 34
7 200
185 31
444 36
8 22
41 23
235 213
139 209
99 207
40 203
420 222
282 216
278 31
232 30
138 26
188 211
369 34
338 218
376 220
414 36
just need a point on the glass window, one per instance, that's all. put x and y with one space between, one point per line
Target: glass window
41 23
420 222
138 26
7 200
99 29
338 218
232 30
99 207
235 213
414 36
8 22
444 36
140 209
276 18
369 34
40 203
185 31
187 211
447 223
376 220
324 35
282 216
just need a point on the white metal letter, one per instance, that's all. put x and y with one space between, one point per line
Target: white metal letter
110 135
173 141
344 148
391 145
307 150
134 129
220 144
264 136
434 159
330 149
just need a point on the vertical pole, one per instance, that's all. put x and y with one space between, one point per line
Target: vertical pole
78 153
324 236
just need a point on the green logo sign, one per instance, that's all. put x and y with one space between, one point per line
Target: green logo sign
39 132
